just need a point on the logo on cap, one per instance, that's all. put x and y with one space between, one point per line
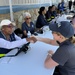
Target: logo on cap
59 25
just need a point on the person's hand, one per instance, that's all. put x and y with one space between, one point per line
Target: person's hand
31 39
36 37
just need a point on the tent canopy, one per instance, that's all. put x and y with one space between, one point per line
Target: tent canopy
16 8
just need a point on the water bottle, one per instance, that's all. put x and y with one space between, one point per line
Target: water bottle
28 34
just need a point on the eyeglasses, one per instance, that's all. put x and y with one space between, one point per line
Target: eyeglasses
28 18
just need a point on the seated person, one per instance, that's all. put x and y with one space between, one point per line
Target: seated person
27 25
48 15
41 21
9 40
51 13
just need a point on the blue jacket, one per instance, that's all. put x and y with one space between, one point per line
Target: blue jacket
61 6
12 38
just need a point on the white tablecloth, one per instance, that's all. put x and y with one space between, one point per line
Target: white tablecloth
31 63
62 18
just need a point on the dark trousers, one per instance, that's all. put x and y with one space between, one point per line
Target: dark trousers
70 7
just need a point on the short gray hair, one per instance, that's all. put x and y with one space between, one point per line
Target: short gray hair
26 14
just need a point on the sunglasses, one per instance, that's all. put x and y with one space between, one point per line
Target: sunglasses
28 18
10 26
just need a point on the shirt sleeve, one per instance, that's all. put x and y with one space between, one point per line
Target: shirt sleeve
61 56
17 38
10 45
23 27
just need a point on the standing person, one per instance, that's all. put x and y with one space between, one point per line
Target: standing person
61 6
64 57
73 23
27 25
70 4
74 4
8 40
41 20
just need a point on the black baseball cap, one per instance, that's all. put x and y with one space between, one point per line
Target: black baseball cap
64 28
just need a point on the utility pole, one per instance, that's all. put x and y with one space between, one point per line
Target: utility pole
11 11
